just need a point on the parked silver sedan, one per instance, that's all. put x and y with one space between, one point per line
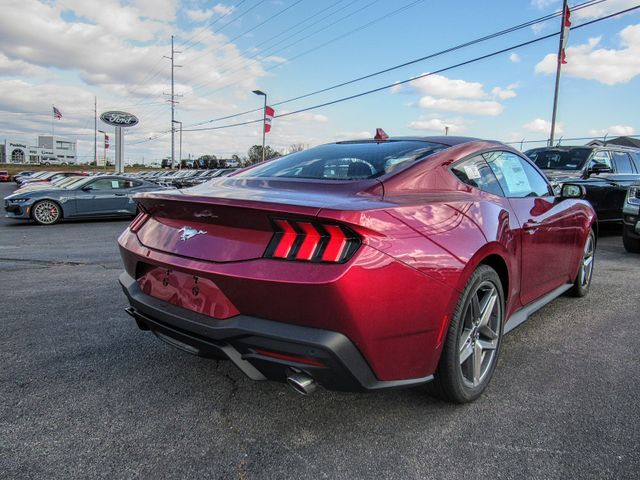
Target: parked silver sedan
87 197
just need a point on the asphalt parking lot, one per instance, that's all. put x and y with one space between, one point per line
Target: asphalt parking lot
85 394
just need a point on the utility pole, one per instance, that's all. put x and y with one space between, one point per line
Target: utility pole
563 32
95 130
173 102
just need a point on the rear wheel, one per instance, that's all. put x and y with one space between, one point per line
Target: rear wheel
46 212
473 342
583 279
631 245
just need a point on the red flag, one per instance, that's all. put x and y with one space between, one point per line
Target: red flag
106 141
268 116
565 34
56 113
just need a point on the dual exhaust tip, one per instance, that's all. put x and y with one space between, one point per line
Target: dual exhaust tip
302 383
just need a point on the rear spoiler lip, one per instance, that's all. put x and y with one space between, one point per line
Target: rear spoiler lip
150 201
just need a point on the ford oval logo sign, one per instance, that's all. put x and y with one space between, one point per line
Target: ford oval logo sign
119 119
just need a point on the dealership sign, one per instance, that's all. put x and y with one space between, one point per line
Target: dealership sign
119 119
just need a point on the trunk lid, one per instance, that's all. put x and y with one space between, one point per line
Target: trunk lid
230 220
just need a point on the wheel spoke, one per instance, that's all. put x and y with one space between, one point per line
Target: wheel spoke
488 308
475 307
488 345
466 352
464 338
488 332
477 363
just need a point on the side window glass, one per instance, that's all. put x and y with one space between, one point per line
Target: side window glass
601 157
103 184
623 162
516 176
475 172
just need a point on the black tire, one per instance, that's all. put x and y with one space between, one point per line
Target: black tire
631 245
582 282
46 212
451 383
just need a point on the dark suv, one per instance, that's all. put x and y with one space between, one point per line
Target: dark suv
606 173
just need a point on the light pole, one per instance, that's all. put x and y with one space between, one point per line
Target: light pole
264 117
180 148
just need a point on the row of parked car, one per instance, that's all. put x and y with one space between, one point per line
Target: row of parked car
610 175
183 178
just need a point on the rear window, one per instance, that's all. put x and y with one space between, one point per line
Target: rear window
346 161
561 159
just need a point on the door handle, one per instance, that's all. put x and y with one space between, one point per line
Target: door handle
120 194
529 226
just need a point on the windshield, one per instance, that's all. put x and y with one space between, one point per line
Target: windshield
573 159
345 161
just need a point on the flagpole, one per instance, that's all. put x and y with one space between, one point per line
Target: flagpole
53 116
558 72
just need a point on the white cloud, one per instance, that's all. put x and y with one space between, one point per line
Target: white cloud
199 15
540 125
274 59
350 135
438 125
607 66
603 8
474 107
441 86
614 130
503 93
542 4
396 87
514 57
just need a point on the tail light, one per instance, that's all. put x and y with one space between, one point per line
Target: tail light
312 241
137 222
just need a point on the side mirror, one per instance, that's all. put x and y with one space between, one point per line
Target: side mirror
88 188
597 168
572 190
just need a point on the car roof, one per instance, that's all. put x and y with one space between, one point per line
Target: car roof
449 141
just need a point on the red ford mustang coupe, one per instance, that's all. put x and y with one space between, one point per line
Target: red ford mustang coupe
360 265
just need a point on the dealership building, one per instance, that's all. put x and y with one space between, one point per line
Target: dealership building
50 150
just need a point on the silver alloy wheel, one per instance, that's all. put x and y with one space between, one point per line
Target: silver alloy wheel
46 212
587 262
478 342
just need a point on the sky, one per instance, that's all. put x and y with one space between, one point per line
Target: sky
67 52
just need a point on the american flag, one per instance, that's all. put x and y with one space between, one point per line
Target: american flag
56 113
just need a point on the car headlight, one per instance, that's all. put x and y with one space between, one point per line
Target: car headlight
633 195
19 200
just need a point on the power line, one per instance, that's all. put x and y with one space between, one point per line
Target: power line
460 64
268 19
411 62
296 42
204 28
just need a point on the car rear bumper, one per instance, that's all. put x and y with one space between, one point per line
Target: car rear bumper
262 349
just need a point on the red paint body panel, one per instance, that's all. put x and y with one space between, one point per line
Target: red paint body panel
423 234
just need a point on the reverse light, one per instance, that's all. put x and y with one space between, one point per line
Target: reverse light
311 242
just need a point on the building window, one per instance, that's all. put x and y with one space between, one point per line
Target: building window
17 156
